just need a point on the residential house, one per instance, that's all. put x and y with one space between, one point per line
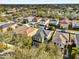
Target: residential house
30 18
24 29
4 26
75 24
33 22
64 23
38 22
42 36
60 39
43 23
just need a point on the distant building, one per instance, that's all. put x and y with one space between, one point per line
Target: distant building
11 11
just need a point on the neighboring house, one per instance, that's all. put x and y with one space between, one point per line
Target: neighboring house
26 30
60 39
5 26
43 23
64 23
33 23
42 36
75 24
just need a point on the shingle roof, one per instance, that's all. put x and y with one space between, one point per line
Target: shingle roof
42 36
60 38
45 33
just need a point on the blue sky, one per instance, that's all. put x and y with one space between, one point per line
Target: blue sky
39 1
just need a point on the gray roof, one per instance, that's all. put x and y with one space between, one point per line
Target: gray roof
42 36
39 36
44 33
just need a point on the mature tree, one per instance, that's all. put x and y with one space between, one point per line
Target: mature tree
74 53
45 51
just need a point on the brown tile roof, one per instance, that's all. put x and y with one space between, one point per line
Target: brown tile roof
25 30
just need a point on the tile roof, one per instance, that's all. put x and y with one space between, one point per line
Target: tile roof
25 30
65 21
